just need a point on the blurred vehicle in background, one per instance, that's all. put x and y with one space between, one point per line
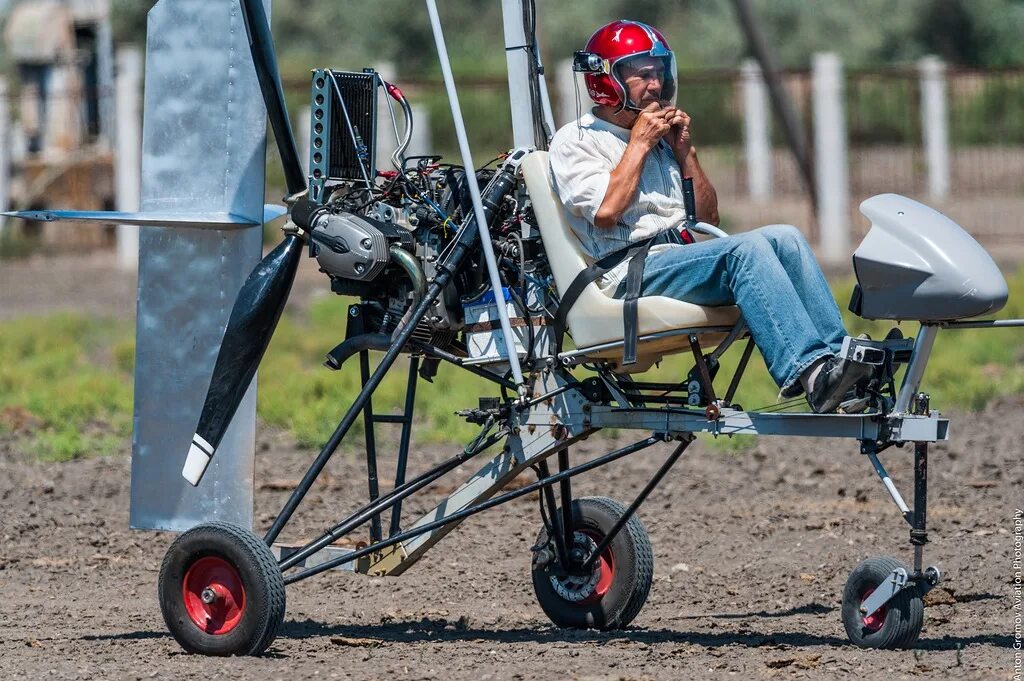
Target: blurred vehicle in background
62 132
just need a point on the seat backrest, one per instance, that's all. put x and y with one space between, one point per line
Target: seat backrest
563 248
596 317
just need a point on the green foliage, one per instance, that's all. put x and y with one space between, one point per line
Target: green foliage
991 115
14 245
882 109
704 33
128 20
66 384
712 105
292 375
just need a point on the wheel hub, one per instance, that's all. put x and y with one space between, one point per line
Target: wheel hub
213 594
876 620
576 588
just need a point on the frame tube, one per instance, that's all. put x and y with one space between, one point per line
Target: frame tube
473 510
740 368
702 370
915 370
919 533
984 324
557 522
371 446
568 531
474 192
403 444
388 500
889 486
648 488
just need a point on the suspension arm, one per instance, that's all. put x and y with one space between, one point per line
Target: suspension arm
473 510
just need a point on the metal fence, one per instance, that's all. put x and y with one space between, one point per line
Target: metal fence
883 122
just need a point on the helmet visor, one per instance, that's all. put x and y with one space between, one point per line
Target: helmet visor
646 78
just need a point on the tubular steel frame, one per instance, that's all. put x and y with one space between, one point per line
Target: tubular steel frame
579 410
552 410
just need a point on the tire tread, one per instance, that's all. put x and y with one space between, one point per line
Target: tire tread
635 583
270 614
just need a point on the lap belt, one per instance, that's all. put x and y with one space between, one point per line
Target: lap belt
637 254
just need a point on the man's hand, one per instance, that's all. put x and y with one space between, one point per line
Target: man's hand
678 135
650 126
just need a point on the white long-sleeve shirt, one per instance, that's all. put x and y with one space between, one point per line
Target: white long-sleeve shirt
583 154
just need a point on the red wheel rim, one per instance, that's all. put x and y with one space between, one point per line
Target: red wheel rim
875 620
219 581
605 565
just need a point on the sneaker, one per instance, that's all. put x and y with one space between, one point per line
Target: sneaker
834 382
852 404
794 389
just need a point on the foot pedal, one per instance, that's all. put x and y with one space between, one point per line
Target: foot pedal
865 351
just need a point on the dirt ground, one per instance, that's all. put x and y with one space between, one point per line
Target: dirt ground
751 554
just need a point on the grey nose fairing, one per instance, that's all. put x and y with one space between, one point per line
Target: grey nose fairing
917 264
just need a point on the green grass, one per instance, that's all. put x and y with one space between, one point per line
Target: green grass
65 384
66 380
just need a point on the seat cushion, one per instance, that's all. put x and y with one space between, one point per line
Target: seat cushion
596 317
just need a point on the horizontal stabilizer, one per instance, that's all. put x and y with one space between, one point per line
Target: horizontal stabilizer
272 211
200 220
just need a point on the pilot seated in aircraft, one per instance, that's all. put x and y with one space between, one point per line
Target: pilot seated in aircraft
618 171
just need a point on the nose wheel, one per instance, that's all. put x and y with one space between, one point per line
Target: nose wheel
221 591
897 623
612 592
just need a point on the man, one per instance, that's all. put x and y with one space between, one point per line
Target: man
618 171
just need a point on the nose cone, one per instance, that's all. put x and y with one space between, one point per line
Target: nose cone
916 263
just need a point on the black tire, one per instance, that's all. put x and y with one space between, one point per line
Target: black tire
629 561
243 579
897 624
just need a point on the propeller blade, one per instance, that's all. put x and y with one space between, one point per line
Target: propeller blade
261 44
253 320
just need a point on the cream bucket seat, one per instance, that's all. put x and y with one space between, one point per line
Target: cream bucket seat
595 321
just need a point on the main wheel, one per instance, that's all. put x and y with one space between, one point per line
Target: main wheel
221 591
615 589
897 624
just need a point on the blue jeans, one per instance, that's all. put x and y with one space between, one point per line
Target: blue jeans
772 275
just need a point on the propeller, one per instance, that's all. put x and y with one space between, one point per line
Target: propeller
262 298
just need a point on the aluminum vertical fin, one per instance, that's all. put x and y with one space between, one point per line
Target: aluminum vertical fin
204 149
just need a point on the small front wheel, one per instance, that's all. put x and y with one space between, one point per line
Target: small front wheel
612 593
897 624
221 591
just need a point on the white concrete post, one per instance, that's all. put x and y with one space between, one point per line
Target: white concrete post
565 82
756 131
5 153
128 159
421 143
105 84
831 157
935 125
302 132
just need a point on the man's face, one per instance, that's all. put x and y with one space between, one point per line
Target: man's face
644 78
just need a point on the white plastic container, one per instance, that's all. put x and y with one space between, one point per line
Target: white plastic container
485 344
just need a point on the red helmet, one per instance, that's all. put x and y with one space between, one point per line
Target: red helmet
610 48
